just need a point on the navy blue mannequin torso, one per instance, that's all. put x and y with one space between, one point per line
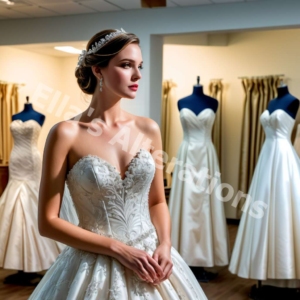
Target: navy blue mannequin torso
28 113
198 101
284 101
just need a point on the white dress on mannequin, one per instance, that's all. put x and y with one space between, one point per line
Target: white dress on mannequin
117 208
267 246
21 246
297 140
199 231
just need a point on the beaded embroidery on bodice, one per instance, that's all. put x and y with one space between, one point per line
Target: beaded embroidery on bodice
25 159
109 205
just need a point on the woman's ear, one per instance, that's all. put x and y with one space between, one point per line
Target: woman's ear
97 71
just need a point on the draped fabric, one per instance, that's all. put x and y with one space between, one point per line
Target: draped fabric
267 245
258 93
168 85
297 140
111 206
8 107
216 91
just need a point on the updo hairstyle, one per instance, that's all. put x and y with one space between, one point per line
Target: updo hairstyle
86 80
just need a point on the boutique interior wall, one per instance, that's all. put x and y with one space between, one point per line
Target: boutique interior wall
256 53
56 74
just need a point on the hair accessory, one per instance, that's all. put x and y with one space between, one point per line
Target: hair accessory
98 45
101 84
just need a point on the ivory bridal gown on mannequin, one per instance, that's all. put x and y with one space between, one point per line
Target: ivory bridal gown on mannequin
267 246
199 230
21 246
117 208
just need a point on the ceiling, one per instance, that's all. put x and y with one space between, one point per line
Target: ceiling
50 8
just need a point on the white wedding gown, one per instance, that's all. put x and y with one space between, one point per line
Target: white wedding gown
297 140
21 246
117 208
199 231
267 246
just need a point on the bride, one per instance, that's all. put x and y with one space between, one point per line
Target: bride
111 161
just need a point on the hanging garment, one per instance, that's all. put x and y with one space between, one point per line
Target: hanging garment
199 231
268 240
117 208
21 246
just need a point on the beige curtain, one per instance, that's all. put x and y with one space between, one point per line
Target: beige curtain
166 119
216 91
258 93
8 107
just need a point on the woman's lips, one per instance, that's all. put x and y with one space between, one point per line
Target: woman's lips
134 87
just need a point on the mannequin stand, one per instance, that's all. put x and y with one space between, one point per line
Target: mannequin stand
268 292
24 279
203 275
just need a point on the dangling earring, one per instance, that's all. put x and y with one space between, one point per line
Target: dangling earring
101 84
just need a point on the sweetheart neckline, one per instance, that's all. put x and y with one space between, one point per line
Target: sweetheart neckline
279 109
23 122
136 156
199 112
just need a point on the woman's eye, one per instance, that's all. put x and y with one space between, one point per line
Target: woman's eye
126 65
141 67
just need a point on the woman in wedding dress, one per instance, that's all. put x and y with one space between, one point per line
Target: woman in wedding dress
112 162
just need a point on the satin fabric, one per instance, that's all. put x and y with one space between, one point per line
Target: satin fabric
117 208
199 231
21 246
297 140
268 239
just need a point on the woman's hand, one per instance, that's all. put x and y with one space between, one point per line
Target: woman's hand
162 255
139 262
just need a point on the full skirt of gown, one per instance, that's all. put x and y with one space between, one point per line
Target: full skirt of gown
117 208
199 230
267 246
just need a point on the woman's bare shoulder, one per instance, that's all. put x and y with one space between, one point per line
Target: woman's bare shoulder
147 125
64 131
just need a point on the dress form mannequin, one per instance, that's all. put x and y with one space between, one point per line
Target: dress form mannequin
186 202
198 101
28 113
284 101
266 290
26 278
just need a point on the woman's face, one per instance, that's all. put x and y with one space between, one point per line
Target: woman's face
121 76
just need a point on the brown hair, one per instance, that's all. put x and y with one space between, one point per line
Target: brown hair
85 77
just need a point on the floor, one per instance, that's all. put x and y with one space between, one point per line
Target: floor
225 287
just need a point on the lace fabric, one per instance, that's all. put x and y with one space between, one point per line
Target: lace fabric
117 208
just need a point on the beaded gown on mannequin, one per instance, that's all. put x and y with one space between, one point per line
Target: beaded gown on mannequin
117 208
21 246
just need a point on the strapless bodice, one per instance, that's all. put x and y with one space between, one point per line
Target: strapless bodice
197 128
277 125
109 205
25 159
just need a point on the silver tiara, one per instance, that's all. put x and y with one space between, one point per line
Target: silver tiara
98 45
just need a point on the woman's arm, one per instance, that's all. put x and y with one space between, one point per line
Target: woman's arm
159 211
59 142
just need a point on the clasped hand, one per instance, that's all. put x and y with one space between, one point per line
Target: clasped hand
153 269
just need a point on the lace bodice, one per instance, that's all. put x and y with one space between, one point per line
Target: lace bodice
25 159
109 205
278 124
197 128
